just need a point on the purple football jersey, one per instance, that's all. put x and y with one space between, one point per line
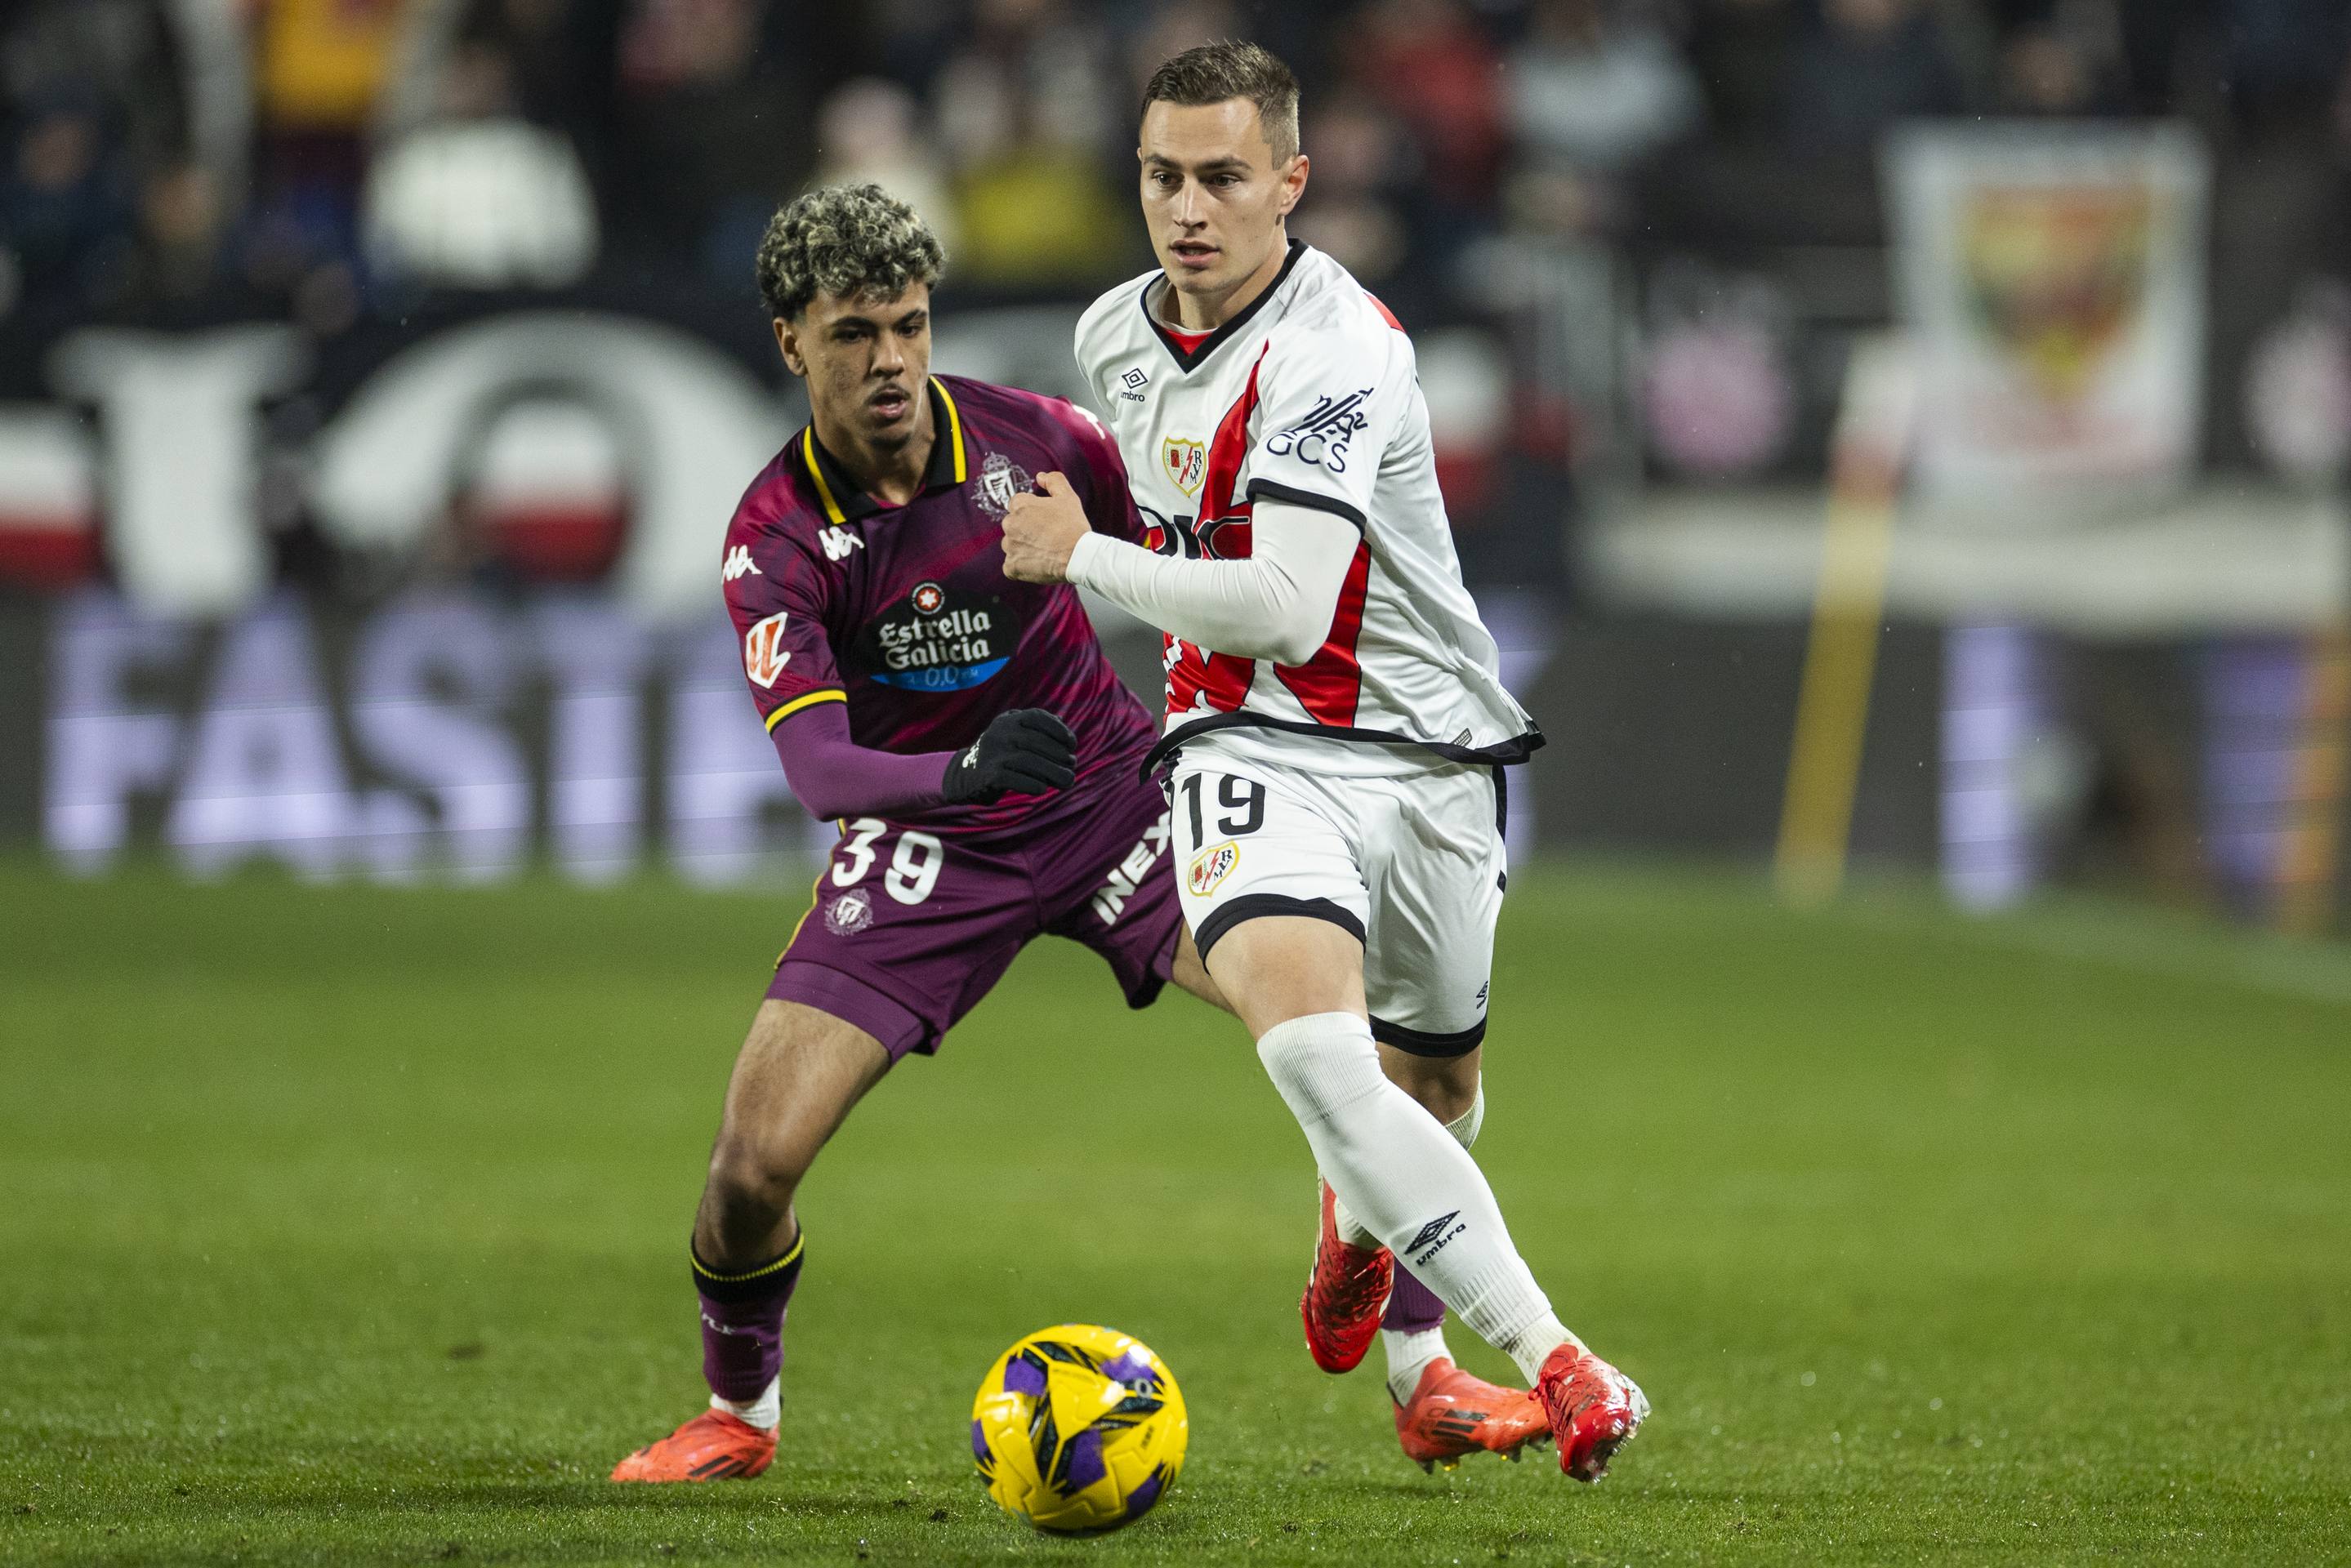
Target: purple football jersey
905 613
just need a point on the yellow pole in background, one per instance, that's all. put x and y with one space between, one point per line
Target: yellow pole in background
1865 463
2311 852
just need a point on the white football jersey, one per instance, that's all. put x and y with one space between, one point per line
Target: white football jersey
1309 396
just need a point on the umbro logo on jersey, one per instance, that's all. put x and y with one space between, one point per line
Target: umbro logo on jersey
1321 437
739 564
1133 381
839 541
1434 1236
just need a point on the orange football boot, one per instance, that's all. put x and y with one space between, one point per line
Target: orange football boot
1452 1414
1595 1409
714 1446
1344 1295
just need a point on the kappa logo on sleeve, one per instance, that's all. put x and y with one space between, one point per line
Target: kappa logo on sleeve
764 655
739 564
839 541
1321 437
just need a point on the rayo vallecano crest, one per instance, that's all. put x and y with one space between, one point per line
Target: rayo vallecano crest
1187 462
1000 479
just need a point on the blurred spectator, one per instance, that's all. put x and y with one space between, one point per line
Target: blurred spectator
1023 110
2051 57
1589 96
1869 64
717 129
871 129
95 104
1361 157
1742 51
1593 91
2285 62
479 197
1438 70
320 64
66 216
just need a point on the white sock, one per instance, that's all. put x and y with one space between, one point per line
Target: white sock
1464 1128
1408 1355
765 1412
1406 1179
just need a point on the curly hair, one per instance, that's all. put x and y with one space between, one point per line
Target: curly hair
852 240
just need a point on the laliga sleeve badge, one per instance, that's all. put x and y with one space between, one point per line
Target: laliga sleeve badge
764 657
850 913
1211 867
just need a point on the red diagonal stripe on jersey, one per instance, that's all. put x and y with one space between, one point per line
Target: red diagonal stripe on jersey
1331 684
1220 679
1225 452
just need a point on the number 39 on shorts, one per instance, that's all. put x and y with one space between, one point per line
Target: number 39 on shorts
915 864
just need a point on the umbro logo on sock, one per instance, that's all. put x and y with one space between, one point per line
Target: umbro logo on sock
1433 1235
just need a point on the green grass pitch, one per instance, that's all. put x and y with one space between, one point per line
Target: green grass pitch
344 1225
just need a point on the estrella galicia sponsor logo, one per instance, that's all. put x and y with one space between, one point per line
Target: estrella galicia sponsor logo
938 639
1321 437
1434 1236
850 913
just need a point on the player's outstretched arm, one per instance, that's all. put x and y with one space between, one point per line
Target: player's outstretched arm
1025 752
1277 603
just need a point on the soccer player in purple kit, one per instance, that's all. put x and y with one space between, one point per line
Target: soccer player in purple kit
967 731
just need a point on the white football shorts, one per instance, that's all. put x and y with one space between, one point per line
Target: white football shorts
1407 857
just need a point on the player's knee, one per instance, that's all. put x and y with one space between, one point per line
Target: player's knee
755 1175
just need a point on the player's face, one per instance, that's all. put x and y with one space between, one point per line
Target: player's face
865 360
1212 194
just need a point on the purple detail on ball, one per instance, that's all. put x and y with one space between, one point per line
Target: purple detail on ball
979 1442
1131 1366
1085 1459
1023 1377
1139 1500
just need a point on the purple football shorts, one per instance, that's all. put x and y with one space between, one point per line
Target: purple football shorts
910 929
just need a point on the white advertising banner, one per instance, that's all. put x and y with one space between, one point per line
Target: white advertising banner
2051 279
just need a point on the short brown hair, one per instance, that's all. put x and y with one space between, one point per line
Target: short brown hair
853 240
1213 73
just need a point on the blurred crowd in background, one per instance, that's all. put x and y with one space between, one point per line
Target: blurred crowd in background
325 158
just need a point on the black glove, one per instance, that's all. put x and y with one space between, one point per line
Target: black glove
1025 752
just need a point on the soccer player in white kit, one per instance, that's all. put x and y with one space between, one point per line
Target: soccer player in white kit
1337 732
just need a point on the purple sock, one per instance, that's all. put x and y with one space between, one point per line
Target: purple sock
742 1323
1413 1307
